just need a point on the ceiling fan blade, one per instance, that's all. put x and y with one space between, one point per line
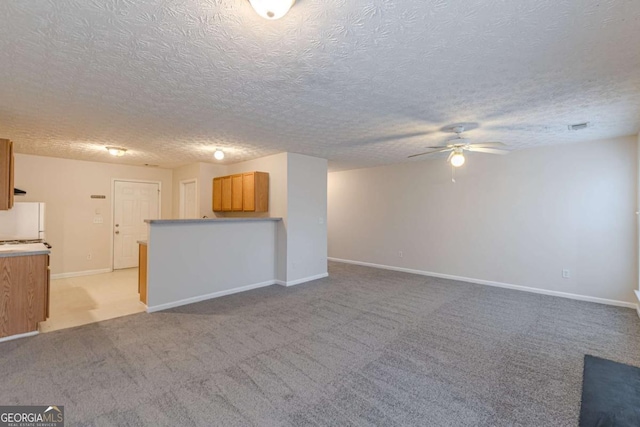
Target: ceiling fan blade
450 156
430 152
488 145
487 150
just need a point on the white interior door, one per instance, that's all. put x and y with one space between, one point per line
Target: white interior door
133 203
188 199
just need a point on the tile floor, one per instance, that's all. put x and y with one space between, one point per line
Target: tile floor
77 301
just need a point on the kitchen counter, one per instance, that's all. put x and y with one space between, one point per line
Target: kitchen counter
206 220
23 250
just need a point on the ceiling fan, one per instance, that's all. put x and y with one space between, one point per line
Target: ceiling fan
459 145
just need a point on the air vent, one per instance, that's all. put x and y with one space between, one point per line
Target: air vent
579 126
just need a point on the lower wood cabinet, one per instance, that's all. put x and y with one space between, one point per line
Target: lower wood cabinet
142 272
25 293
245 192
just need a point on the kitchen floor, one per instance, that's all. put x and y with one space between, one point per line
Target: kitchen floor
81 300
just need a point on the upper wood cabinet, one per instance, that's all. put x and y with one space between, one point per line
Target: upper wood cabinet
256 192
245 192
226 193
236 193
6 174
217 195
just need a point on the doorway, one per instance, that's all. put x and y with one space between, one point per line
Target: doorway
189 199
133 202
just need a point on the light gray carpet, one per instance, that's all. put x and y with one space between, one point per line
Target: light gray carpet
362 347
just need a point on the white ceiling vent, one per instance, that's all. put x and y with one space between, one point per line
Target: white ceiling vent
579 126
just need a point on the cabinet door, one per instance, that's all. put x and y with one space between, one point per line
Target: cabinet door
47 293
262 192
12 162
236 192
226 193
217 195
6 174
142 273
249 193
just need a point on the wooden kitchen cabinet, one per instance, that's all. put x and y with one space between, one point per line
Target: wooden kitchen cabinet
47 289
246 192
6 174
217 195
256 192
236 193
226 193
24 300
142 272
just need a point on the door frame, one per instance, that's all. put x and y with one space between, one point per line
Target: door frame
113 206
181 191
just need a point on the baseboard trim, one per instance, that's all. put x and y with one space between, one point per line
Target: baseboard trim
18 336
638 306
494 284
303 280
192 300
80 273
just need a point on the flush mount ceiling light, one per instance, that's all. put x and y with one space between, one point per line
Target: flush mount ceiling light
116 151
272 9
219 154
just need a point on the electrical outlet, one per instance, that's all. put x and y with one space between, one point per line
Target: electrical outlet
566 273
89 256
400 254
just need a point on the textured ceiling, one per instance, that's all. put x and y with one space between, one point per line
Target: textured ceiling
359 82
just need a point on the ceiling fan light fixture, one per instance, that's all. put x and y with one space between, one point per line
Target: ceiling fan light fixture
218 154
457 160
116 151
272 9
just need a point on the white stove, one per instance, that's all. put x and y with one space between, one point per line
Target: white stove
24 247
24 242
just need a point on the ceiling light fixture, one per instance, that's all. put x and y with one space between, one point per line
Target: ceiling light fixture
219 154
457 159
116 151
272 9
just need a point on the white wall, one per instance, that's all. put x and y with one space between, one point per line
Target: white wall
638 218
184 173
518 219
204 174
189 262
306 217
276 166
66 186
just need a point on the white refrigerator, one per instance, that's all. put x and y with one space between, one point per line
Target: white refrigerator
25 221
